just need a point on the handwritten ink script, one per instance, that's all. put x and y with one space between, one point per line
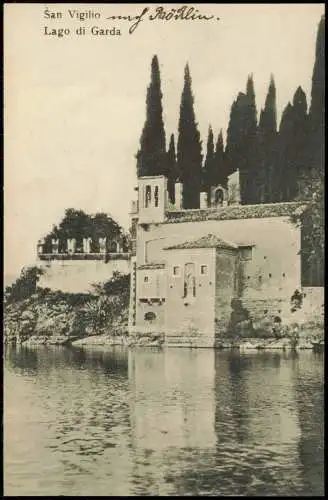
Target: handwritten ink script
184 13
100 26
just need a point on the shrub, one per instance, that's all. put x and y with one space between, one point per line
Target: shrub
24 286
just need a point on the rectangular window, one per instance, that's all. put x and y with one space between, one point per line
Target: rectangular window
147 196
146 279
176 271
203 269
246 253
156 196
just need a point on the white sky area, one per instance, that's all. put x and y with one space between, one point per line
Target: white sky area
75 106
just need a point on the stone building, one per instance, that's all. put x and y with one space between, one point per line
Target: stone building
191 269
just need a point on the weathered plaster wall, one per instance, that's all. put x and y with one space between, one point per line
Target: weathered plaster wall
312 307
226 288
151 283
313 301
77 276
260 308
191 314
274 270
154 209
153 288
157 309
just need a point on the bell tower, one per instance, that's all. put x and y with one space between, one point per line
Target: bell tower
152 199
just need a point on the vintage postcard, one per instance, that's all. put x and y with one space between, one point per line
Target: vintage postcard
164 249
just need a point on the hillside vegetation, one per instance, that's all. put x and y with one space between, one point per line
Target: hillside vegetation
33 314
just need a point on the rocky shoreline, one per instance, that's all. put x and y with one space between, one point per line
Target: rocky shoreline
57 318
39 322
123 340
47 317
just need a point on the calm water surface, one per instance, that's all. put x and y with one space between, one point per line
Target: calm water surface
106 421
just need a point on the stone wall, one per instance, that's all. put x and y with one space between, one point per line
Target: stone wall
77 276
157 310
311 306
313 301
226 289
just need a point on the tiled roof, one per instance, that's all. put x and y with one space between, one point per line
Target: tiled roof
235 212
209 241
152 265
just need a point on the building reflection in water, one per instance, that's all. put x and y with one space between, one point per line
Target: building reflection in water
172 422
172 413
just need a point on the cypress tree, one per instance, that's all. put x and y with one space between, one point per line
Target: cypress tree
151 155
172 173
207 180
233 137
250 148
221 173
189 157
300 142
312 249
241 147
294 171
267 178
286 163
317 107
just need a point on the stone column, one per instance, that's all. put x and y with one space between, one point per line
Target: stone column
102 245
54 245
203 200
178 187
86 245
71 245
40 246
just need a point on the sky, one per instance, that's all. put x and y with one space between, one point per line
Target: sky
74 106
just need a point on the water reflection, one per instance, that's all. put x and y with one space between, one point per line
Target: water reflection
259 422
172 415
309 385
107 421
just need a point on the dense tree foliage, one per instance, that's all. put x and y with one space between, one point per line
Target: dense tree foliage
78 224
267 178
151 155
189 154
172 171
312 178
220 172
317 107
24 286
241 149
209 165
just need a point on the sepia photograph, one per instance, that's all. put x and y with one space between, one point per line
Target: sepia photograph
164 249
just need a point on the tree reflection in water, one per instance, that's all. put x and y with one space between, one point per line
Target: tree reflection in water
171 422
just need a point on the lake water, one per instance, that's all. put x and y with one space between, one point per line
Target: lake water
105 421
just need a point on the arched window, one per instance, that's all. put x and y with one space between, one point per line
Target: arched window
156 196
112 247
189 285
219 197
147 196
